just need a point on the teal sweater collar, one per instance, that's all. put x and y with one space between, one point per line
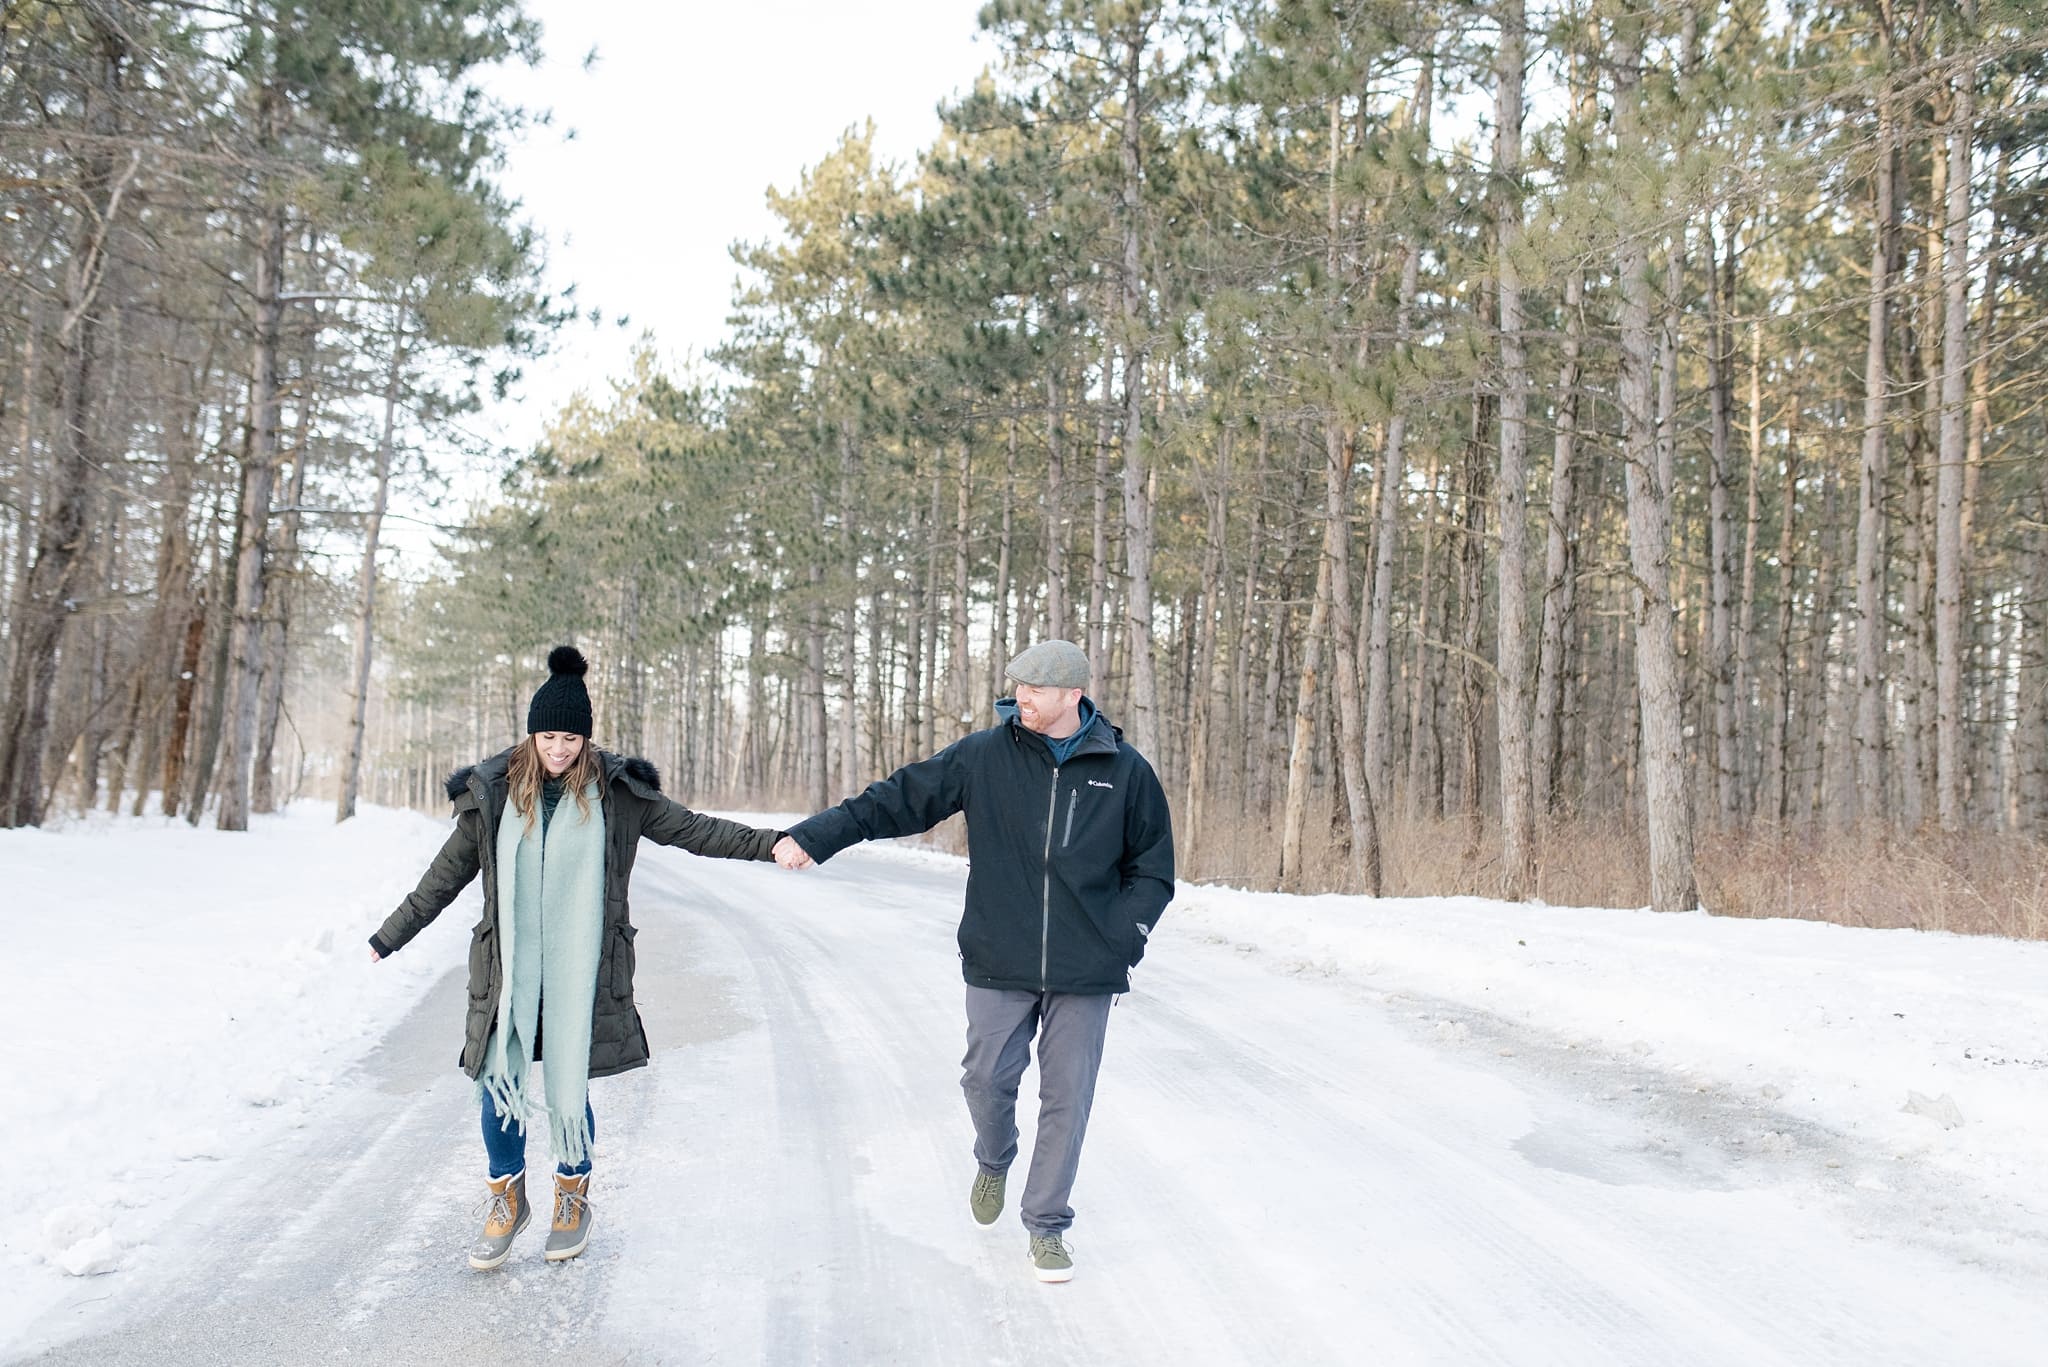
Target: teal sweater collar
1062 749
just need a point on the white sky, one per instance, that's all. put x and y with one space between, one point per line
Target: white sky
690 112
660 157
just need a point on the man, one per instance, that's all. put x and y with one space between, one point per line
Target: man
1070 863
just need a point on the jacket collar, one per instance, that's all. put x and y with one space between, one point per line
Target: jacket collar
1098 736
486 781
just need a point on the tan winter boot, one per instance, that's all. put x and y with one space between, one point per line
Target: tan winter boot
505 1213
572 1218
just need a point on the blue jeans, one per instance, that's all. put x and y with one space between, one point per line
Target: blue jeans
506 1144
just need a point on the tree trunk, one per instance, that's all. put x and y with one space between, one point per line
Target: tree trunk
1358 798
1779 756
1745 619
277 627
1098 564
1471 617
366 586
1672 887
178 740
1055 513
849 644
26 466
1558 631
1517 807
1238 748
259 476
1278 634
817 766
1144 694
1987 761
999 631
1721 528
627 700
1209 678
1379 674
1294 816
96 689
1420 695
200 772
1948 531
959 667
2032 737
1560 561
928 734
913 651
1869 734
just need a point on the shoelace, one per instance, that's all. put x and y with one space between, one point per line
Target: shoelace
496 1207
566 1202
985 1185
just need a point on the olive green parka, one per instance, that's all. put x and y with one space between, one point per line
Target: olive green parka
634 808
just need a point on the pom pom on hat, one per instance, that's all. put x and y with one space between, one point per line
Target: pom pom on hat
568 660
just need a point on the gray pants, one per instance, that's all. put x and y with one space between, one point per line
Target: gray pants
1070 1031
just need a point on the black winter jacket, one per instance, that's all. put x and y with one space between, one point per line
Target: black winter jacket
634 809
1069 865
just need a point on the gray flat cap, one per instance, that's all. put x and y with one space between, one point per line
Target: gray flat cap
1051 664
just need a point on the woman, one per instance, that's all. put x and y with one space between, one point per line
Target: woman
552 824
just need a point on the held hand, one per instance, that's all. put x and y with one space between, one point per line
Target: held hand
790 855
375 957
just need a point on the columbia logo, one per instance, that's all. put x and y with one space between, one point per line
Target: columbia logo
1098 783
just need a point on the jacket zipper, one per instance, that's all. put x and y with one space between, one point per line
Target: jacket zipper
1052 809
1073 801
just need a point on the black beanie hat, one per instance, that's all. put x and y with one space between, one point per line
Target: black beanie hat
562 703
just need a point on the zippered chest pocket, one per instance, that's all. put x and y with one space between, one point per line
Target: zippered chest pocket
1073 802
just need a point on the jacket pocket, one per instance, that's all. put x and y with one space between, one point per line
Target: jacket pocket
1073 801
622 961
483 958
974 943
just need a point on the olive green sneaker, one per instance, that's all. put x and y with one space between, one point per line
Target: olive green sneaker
985 1197
1050 1257
505 1213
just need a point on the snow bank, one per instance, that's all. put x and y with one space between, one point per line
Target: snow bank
1920 1045
171 999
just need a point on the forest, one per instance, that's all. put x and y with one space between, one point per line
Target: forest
1590 452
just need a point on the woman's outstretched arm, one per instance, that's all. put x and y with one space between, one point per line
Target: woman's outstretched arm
671 823
445 878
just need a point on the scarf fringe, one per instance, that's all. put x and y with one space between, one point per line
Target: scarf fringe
508 1099
568 1143
569 1137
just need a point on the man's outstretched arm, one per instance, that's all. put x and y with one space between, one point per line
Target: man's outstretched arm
914 799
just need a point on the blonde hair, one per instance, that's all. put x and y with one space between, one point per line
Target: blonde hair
528 773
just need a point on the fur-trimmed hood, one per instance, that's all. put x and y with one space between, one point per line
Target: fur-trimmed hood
638 774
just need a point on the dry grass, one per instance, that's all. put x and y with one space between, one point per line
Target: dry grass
1970 884
1585 865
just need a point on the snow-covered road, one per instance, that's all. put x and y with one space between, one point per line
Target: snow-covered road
1283 1168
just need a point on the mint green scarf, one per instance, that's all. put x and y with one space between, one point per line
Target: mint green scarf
550 936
